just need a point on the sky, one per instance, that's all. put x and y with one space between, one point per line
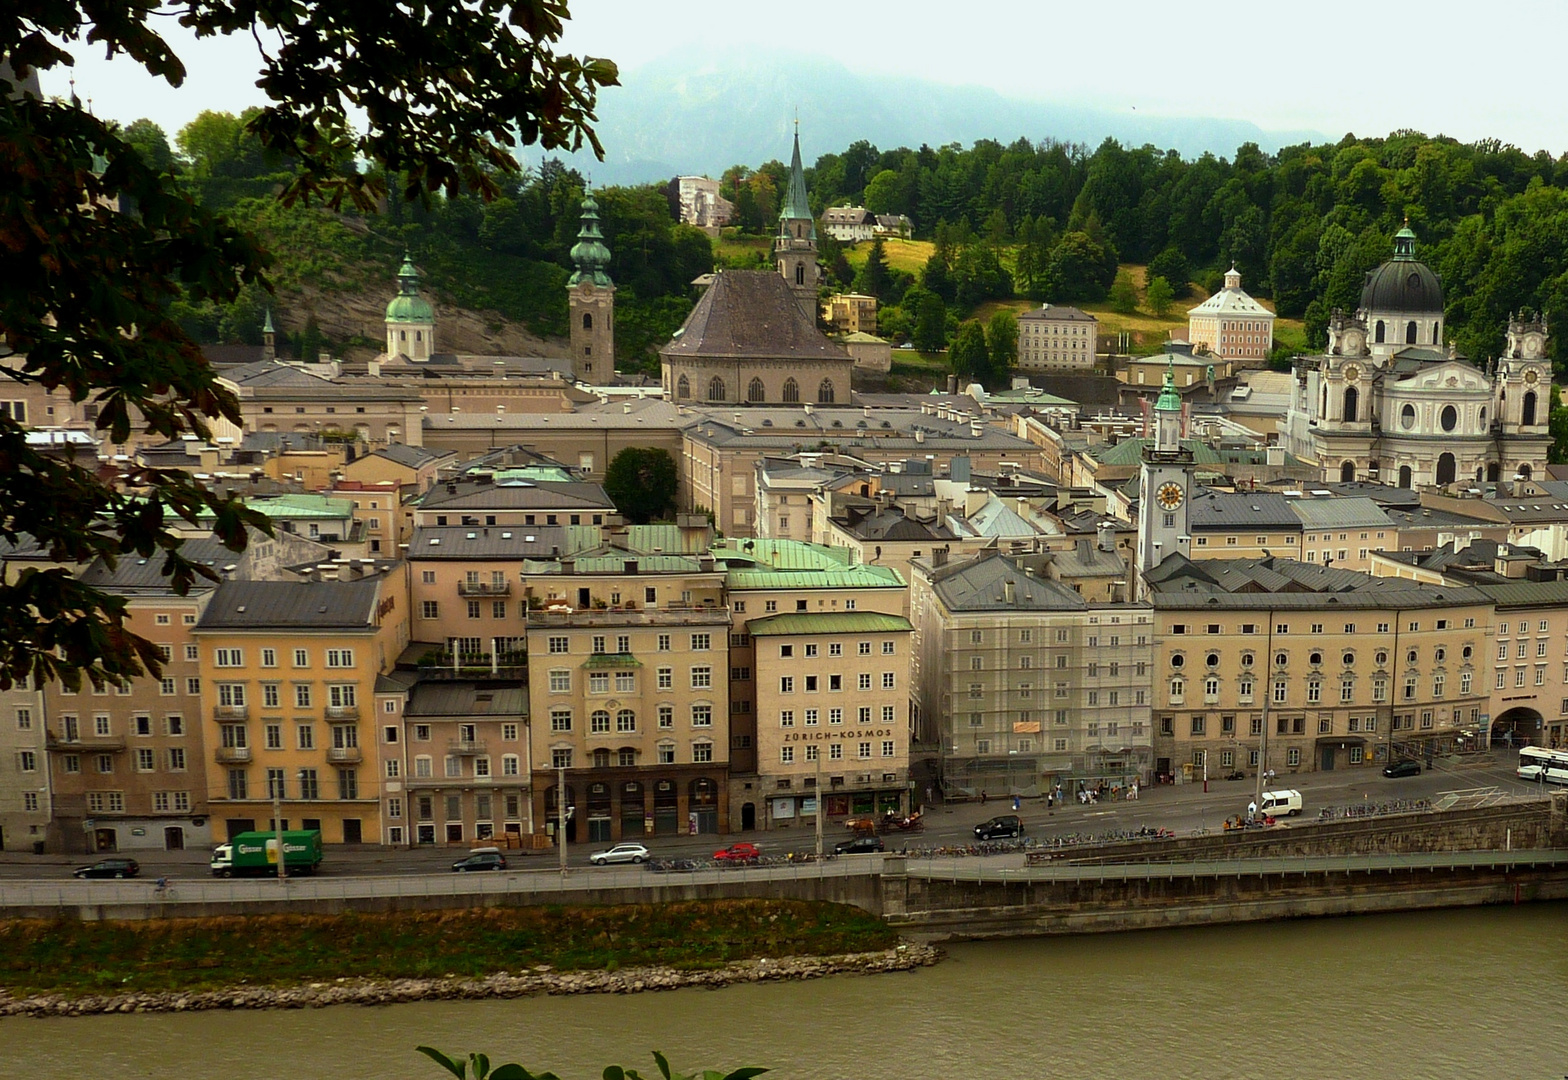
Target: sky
1466 70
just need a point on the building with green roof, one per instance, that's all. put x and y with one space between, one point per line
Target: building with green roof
410 320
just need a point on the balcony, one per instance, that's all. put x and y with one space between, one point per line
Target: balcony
465 747
232 755
86 744
344 755
231 712
484 588
342 712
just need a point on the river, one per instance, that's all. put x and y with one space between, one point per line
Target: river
1469 993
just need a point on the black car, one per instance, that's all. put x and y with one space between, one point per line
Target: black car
480 860
860 845
1408 767
1001 825
108 868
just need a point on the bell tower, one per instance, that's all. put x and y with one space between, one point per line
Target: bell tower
795 247
591 299
410 321
1164 501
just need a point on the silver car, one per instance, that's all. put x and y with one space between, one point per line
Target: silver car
632 853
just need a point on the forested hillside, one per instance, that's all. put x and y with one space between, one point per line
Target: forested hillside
1302 225
508 257
1048 221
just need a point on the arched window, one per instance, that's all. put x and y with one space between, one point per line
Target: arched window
1377 332
1482 419
1445 469
587 320
1524 471
716 389
1493 471
1351 400
1527 412
1347 472
825 392
683 388
791 390
1404 476
625 721
1410 332
601 759
755 391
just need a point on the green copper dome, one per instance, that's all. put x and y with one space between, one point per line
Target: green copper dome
589 254
408 306
1169 399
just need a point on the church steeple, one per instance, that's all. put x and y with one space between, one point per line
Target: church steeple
410 321
795 247
797 208
590 296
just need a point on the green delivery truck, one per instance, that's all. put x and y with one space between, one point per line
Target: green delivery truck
255 854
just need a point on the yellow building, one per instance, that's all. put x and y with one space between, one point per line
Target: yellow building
288 677
1331 668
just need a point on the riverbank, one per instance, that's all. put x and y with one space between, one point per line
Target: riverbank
284 961
500 985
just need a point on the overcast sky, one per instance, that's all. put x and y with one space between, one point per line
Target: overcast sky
1467 70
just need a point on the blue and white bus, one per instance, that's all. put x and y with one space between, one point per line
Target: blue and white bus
1540 764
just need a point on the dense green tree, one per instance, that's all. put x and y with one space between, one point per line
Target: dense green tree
969 357
642 481
1557 424
978 276
873 279
1001 342
310 340
1159 296
1124 294
1173 266
1080 268
150 142
448 94
930 333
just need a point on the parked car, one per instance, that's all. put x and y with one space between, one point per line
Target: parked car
108 868
738 853
630 852
1407 767
860 845
480 860
1001 825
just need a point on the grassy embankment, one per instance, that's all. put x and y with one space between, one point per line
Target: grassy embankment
188 955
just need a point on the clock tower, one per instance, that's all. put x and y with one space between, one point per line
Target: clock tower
1166 486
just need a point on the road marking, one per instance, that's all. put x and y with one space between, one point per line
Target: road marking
1100 813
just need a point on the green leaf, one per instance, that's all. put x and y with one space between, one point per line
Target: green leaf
614 1072
481 1066
454 1066
664 1066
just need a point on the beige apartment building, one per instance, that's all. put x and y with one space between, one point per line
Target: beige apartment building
1056 337
1287 666
774 577
1025 683
128 763
465 766
25 801
628 696
289 672
832 715
1529 686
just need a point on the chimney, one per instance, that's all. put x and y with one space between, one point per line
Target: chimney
1106 532
938 557
373 369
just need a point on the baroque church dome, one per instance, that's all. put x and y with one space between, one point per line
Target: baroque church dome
1403 284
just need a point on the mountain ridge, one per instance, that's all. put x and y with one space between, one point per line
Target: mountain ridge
690 112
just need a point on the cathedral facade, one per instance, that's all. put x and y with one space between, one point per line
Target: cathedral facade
1389 402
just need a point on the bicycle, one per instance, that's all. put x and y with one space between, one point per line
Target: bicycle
163 891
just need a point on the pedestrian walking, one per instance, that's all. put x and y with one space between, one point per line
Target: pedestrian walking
982 796
1252 811
1016 804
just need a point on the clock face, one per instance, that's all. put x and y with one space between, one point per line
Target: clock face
1352 373
1170 496
1532 376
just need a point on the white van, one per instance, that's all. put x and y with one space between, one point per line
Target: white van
1285 803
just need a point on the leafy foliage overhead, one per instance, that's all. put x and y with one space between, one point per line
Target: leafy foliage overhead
98 242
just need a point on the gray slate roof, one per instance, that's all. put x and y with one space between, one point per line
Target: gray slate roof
293 605
1213 510
980 583
136 574
487 542
467 699
412 457
527 495
751 313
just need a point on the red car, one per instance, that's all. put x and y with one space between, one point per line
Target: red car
738 853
